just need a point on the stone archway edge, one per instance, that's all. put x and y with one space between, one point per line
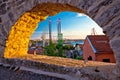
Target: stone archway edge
104 12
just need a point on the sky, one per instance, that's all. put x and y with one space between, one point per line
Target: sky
73 26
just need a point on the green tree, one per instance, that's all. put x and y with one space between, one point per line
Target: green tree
79 57
50 49
60 50
68 47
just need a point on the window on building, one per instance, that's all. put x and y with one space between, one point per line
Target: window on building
89 58
106 60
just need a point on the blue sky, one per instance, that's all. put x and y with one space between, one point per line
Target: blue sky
74 26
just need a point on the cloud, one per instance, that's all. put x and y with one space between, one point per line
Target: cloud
80 15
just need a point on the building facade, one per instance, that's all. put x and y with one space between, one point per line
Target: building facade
97 48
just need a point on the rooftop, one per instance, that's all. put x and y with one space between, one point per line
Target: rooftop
100 43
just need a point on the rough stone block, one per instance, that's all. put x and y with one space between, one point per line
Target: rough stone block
75 2
19 2
5 0
108 15
3 30
9 8
107 2
1 51
7 26
0 2
64 1
115 44
11 16
3 9
0 20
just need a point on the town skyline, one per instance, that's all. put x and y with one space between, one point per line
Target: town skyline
73 26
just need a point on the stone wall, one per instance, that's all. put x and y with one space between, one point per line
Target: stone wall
104 12
6 73
106 72
73 73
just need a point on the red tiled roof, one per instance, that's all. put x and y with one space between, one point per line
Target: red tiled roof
100 43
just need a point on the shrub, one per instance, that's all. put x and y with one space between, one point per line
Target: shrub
50 50
79 57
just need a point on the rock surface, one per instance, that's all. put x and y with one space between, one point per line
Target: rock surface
15 30
65 68
6 74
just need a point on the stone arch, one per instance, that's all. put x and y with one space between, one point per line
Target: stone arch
104 12
18 39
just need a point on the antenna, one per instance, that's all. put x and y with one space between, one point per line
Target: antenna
93 31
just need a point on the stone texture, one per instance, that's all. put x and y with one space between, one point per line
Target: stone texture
115 44
3 9
11 16
64 1
109 14
85 4
100 7
75 2
0 20
110 29
3 31
24 16
7 25
106 71
10 5
5 0
19 2
6 74
0 2
1 51
15 40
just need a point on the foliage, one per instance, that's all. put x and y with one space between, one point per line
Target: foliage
50 49
68 47
79 57
60 50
